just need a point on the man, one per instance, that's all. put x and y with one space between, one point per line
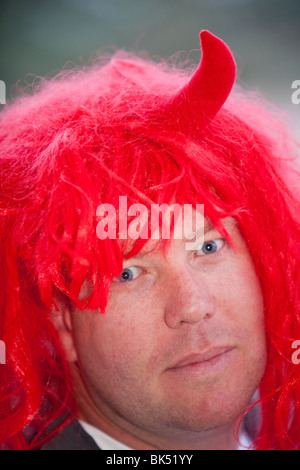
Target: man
162 345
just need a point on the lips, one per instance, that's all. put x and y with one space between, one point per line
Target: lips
201 357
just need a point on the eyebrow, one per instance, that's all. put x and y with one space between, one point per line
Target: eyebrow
208 226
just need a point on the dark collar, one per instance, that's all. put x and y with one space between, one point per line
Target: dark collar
71 437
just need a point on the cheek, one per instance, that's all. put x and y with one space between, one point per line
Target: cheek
115 343
250 296
131 322
239 289
244 307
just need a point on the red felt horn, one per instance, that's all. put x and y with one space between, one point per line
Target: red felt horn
203 96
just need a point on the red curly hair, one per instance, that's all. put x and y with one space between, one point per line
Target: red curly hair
125 127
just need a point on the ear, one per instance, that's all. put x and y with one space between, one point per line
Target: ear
62 321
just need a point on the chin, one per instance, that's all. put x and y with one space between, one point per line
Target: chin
215 406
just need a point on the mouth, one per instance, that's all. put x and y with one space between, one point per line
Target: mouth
212 360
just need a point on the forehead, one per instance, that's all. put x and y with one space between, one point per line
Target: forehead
161 223
189 232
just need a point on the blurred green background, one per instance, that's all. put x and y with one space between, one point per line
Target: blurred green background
40 36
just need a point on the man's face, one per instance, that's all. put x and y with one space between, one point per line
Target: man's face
181 346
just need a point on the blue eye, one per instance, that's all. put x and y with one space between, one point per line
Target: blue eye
129 274
211 246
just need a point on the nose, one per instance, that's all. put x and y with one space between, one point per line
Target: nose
188 299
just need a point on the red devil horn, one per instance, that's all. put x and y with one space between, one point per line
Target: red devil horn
203 96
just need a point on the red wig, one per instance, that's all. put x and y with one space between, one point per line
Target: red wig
157 134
